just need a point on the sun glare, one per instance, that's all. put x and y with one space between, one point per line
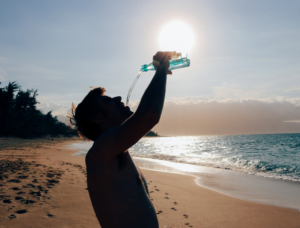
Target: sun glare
176 36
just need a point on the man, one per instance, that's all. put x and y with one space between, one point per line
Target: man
117 188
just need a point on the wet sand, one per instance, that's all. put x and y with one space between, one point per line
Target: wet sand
232 183
43 185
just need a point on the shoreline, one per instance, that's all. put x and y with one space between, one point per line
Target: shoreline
179 202
82 148
231 183
228 182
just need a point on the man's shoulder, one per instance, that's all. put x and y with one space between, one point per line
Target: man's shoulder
89 156
100 149
94 162
97 147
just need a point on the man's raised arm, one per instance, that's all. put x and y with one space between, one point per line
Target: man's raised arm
119 139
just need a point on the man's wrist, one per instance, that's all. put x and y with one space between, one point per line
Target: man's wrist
162 68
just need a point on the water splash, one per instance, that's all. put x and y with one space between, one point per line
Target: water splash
132 86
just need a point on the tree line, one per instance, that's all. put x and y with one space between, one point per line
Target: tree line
19 116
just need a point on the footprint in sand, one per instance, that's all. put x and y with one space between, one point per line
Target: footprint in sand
186 216
35 193
28 201
167 197
12 216
6 201
15 188
30 186
19 198
174 209
22 176
21 211
20 193
175 203
167 193
50 215
157 189
14 181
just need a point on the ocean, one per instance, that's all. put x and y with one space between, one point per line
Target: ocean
261 168
270 155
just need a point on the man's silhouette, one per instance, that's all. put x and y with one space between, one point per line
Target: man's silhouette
117 188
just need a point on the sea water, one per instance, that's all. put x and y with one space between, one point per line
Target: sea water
261 168
268 155
271 155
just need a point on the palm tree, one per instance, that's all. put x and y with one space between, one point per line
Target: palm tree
19 116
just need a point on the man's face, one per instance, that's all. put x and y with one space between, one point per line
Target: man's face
116 111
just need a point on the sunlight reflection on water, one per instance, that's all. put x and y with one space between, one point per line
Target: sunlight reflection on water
274 156
244 186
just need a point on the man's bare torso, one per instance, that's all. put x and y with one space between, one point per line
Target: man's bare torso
119 193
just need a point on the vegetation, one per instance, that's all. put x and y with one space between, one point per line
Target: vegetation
19 116
152 134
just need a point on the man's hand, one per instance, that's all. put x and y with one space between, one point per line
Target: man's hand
161 59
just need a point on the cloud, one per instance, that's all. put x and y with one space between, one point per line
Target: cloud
63 119
207 116
294 88
210 115
58 110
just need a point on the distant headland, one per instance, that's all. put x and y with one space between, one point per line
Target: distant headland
152 134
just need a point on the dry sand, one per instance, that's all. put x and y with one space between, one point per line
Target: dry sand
42 185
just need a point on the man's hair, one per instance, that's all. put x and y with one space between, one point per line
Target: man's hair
82 116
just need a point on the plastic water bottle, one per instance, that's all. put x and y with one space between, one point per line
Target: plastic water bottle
177 62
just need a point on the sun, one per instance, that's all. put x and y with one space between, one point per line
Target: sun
176 36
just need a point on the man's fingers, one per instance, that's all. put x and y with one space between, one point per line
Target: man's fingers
160 56
155 63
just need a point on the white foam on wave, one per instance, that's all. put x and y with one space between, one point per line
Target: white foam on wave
255 188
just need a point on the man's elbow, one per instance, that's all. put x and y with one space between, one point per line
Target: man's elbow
153 119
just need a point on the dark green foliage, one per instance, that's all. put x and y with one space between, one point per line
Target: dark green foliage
152 134
20 118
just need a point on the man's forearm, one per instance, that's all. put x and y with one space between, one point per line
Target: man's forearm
152 101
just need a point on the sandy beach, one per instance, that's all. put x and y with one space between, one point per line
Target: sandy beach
43 185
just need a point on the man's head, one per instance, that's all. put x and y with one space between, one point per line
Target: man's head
97 113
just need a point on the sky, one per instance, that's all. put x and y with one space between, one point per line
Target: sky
244 76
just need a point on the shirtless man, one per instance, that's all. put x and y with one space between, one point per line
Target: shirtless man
117 188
